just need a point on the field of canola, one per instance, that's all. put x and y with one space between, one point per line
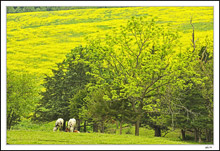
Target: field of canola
36 41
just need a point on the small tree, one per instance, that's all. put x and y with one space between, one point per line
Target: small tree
22 96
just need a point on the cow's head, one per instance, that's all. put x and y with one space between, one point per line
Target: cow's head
55 128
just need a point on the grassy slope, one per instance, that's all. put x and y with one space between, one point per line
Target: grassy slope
38 40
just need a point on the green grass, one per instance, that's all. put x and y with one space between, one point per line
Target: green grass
27 132
27 125
43 137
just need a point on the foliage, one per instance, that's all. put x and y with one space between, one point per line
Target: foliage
22 96
140 67
189 108
29 125
62 87
11 9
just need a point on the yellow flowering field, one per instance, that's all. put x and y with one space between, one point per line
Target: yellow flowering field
36 41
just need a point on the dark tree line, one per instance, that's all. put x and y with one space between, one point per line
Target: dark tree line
17 9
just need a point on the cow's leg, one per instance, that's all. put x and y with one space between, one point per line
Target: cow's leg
61 128
71 129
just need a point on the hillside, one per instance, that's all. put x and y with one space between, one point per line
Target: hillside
38 40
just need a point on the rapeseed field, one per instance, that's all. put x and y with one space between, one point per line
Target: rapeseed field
36 41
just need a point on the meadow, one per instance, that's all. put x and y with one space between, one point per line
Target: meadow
36 41
27 132
31 133
43 137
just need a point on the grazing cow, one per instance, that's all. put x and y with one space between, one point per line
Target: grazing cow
71 124
58 124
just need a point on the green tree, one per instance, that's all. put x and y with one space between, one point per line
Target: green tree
78 107
18 10
10 10
28 9
136 60
22 96
98 109
69 77
191 101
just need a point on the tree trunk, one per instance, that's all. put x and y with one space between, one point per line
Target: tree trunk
95 127
116 124
208 135
85 126
183 132
157 131
11 120
8 120
196 134
137 124
121 127
102 127
10 123
199 134
78 121
64 125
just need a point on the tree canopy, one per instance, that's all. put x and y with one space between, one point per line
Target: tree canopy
137 75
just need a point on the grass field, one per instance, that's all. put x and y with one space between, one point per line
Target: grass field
27 132
43 137
38 40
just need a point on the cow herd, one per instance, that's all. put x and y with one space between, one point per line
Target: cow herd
70 128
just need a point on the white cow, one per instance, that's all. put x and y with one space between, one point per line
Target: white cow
71 124
58 124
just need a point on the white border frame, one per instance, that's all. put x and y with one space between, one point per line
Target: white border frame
215 4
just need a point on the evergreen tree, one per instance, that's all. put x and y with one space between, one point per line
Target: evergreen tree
62 86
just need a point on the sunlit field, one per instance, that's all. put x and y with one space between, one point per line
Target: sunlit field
38 40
